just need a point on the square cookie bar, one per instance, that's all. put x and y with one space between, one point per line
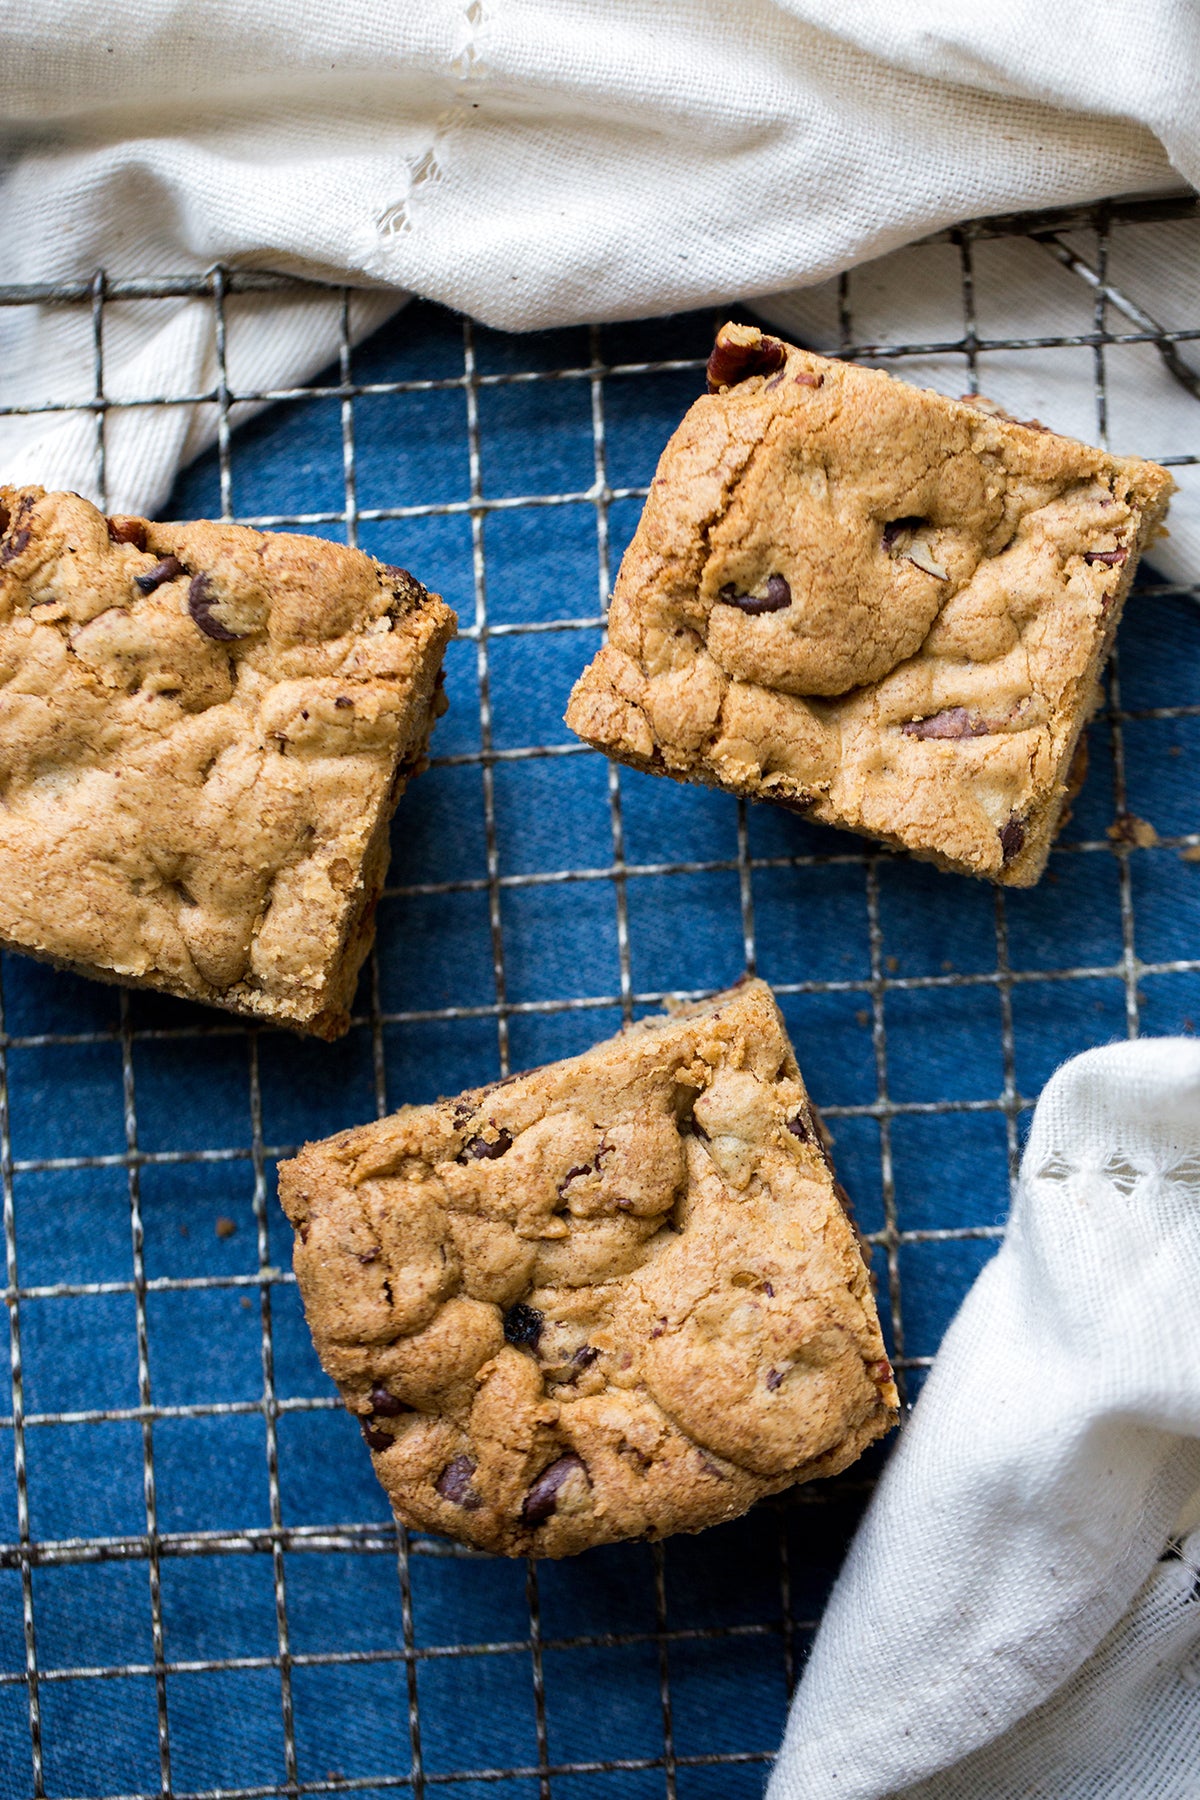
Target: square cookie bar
617 1297
880 607
204 731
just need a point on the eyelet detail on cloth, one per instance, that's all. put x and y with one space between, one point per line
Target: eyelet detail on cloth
1120 1170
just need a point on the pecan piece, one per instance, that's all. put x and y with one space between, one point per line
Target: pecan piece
741 351
127 531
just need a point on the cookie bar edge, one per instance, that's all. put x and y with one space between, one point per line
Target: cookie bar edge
350 1231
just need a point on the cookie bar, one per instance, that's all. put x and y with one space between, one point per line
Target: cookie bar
880 607
203 734
616 1297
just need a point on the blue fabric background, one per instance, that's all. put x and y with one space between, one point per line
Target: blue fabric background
731 1627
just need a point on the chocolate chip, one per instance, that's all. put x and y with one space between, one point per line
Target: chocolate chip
777 597
378 1440
733 360
880 1371
1110 557
200 603
454 1484
15 545
387 1405
342 701
954 722
801 1128
774 1379
574 1174
165 570
542 1499
127 531
896 528
5 518
1012 838
659 1329
768 1290
523 1325
483 1150
369 1256
806 378
585 1356
394 569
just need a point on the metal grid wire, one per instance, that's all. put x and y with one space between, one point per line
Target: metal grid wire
1117 321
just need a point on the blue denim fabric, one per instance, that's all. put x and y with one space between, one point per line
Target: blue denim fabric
739 1603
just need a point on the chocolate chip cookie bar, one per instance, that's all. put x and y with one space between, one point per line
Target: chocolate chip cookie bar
880 607
617 1297
204 731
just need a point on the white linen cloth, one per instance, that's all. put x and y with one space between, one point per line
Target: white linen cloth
536 162
1003 1625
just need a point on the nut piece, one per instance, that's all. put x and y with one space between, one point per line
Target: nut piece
741 351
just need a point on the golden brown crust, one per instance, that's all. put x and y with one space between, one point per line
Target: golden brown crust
866 600
204 730
615 1297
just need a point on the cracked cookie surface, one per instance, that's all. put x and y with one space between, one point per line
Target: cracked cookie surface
873 604
203 733
619 1296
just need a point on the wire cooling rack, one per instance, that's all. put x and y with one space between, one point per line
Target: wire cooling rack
200 1591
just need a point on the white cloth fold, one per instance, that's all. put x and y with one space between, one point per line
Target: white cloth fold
532 162
1003 1625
